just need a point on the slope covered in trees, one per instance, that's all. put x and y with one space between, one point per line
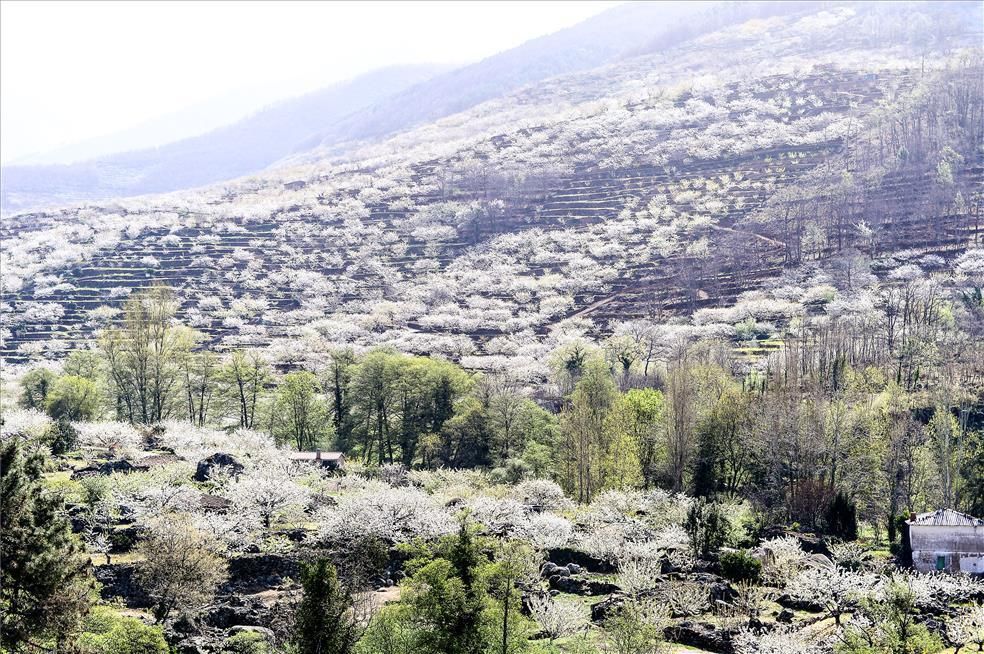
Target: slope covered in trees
655 187
660 353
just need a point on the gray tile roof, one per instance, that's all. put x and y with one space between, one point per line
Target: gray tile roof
946 518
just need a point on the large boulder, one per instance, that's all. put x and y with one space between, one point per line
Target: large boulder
252 573
563 556
253 629
701 635
109 467
720 590
235 612
120 580
207 468
604 609
582 586
124 538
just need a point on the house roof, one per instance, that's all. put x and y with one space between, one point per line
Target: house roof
313 456
213 502
946 518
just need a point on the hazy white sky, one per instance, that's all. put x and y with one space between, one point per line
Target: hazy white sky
71 71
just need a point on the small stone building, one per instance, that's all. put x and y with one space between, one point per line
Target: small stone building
327 460
946 540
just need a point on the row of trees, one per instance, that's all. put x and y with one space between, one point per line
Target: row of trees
791 438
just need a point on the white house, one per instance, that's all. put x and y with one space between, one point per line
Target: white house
947 540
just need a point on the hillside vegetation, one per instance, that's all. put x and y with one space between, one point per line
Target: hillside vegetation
656 186
657 355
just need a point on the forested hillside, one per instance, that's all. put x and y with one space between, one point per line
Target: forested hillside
655 187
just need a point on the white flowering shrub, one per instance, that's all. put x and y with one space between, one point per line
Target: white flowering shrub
967 627
637 574
499 517
547 531
784 558
165 489
558 618
835 589
782 640
118 438
232 528
685 598
851 555
931 588
29 423
196 443
541 493
269 491
393 515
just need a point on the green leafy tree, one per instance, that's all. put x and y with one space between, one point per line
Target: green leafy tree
107 632
466 437
85 364
972 469
391 631
725 448
242 379
299 411
341 365
46 583
324 623
447 598
143 356
246 642
541 436
73 398
641 415
35 386
62 437
583 425
636 627
515 567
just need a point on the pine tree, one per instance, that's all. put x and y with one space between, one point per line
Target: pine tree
841 517
448 599
45 577
323 624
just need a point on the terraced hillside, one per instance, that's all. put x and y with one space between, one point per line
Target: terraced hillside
658 186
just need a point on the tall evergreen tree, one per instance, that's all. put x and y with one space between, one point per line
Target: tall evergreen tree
448 600
324 624
45 577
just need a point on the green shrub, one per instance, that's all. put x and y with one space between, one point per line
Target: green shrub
107 632
62 437
841 517
245 642
707 527
740 566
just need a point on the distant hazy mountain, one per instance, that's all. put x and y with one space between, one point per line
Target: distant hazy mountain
369 107
594 42
183 124
244 147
